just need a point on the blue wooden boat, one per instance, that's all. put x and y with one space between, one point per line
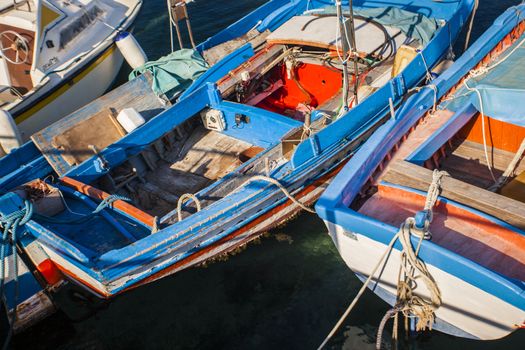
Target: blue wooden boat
460 233
250 143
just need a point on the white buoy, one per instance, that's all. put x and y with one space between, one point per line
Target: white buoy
5 77
131 50
10 137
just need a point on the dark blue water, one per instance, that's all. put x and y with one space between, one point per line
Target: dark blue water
285 292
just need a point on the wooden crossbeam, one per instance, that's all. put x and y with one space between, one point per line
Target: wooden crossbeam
506 209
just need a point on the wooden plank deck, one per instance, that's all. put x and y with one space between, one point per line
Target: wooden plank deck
413 176
136 94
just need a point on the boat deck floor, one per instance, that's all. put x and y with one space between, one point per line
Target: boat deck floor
455 229
204 157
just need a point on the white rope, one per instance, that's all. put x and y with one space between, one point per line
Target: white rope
187 196
434 88
407 303
428 73
511 168
360 293
483 131
184 198
281 187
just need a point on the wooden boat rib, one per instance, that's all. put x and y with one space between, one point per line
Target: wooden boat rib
476 253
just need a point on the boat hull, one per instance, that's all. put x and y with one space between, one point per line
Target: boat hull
467 311
91 81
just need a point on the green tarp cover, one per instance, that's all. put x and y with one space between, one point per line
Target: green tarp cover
175 72
413 25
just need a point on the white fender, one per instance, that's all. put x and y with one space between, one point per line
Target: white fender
10 137
5 77
131 50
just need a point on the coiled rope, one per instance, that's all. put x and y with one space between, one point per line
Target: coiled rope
407 302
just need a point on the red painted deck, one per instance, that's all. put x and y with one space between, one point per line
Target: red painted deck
456 229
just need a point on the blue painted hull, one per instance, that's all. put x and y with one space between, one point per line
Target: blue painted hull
140 252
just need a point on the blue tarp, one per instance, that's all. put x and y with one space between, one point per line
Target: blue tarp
413 25
175 72
502 88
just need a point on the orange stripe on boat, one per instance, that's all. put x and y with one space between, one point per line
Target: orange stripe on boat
101 195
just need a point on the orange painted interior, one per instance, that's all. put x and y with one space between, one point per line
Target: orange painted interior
501 135
454 228
101 195
320 82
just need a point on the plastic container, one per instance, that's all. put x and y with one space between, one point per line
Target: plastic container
130 119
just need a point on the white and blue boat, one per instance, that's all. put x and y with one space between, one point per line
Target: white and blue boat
249 144
429 212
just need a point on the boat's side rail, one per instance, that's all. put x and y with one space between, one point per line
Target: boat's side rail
443 135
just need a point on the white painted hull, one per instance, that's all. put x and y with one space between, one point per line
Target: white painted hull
465 307
91 86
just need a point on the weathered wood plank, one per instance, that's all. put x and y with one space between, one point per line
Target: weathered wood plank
136 94
506 209
500 159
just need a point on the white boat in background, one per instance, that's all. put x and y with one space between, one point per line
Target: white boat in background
56 56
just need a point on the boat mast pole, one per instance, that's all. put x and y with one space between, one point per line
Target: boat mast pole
354 50
344 44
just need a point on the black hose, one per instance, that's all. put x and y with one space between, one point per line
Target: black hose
382 48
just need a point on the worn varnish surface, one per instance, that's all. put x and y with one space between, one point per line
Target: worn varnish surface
202 157
410 175
458 230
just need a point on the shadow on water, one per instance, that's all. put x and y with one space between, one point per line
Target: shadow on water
286 292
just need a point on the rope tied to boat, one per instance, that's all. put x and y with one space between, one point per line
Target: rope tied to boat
281 187
412 269
254 178
434 88
407 302
183 199
10 224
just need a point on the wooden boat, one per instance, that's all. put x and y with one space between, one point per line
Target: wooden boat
235 144
474 244
56 57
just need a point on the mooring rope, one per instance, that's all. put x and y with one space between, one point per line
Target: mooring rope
407 303
281 187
